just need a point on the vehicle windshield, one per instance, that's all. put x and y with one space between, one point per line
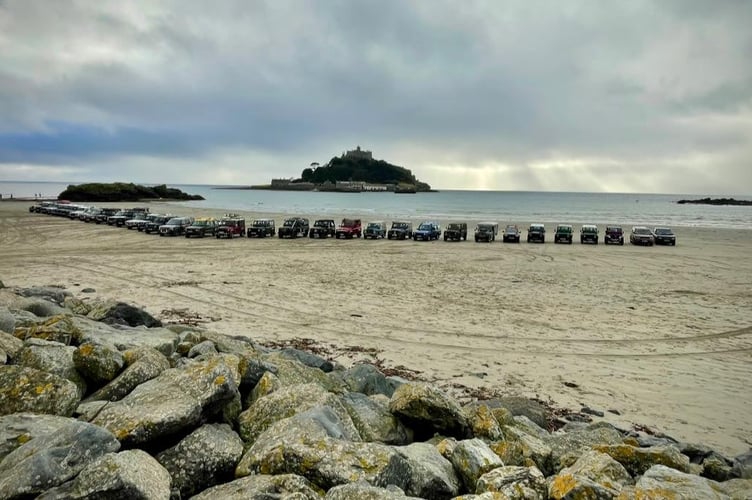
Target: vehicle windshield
453 227
563 229
321 223
262 223
536 228
374 225
663 231
348 223
511 229
231 223
613 229
425 227
485 227
289 222
642 230
589 229
174 222
399 225
201 223
121 213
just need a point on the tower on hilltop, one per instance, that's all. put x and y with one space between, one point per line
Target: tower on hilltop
358 153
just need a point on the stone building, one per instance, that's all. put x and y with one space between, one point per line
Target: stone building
359 153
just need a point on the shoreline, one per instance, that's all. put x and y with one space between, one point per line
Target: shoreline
660 335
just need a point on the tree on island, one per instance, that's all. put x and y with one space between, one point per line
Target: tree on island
347 168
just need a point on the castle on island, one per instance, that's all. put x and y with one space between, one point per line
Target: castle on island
358 153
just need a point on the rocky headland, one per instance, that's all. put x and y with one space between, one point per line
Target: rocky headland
121 192
716 201
99 399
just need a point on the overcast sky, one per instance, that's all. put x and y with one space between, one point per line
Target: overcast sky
515 95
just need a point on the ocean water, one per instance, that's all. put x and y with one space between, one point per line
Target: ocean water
497 206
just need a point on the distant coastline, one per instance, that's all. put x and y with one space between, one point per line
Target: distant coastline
716 201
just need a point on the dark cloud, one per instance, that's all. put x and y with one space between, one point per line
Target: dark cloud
512 95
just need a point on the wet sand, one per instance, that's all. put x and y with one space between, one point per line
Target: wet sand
661 335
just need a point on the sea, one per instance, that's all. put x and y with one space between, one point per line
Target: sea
454 205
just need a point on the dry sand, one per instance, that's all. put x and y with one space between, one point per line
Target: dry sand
662 335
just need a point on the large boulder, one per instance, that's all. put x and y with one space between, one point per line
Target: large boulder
201 349
738 489
10 344
99 363
204 458
600 468
123 338
660 481
30 390
638 460
431 475
42 308
51 357
367 379
3 357
291 372
428 410
516 483
314 445
289 401
120 313
263 487
717 467
373 420
742 467
176 400
142 364
308 359
364 491
54 294
7 321
59 328
20 428
483 422
565 486
53 458
471 459
567 447
517 405
77 306
522 449
131 475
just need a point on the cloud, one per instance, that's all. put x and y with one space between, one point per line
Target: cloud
514 95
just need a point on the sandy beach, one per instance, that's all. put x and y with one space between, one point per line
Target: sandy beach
661 335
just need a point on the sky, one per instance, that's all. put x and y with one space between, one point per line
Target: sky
638 96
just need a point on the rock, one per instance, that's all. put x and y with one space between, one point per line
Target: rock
374 421
529 427
202 348
131 474
717 467
590 411
50 293
10 344
53 458
308 359
522 449
431 475
77 306
742 467
600 468
99 363
428 410
364 491
231 345
483 423
368 380
88 410
3 357
7 321
289 401
522 406
738 489
263 487
29 390
51 357
294 373
60 328
88 290
43 308
523 483
120 313
566 448
265 386
570 487
313 445
638 460
665 482
252 370
143 364
471 459
204 458
176 400
20 428
123 338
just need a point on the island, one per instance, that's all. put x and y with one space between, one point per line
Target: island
121 191
716 201
355 171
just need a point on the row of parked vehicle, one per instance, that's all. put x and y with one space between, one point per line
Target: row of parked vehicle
232 225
